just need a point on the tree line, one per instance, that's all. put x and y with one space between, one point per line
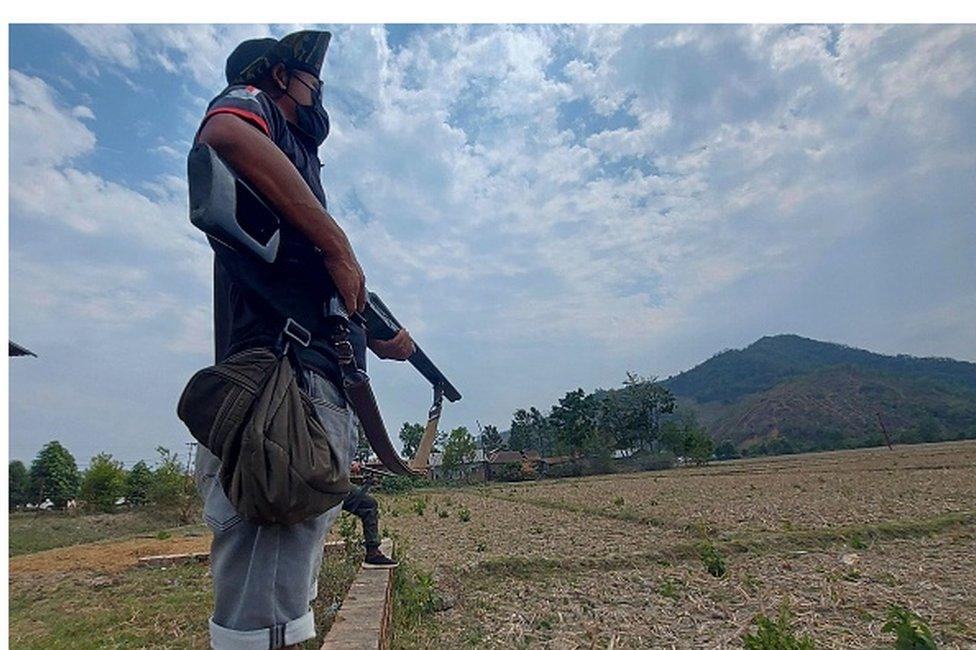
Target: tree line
640 416
54 476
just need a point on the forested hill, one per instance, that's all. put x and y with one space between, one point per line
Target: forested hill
733 374
801 394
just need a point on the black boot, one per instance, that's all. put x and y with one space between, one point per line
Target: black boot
376 560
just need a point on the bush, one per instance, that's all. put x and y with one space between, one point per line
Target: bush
507 472
103 483
400 484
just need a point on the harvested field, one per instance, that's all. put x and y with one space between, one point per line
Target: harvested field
616 561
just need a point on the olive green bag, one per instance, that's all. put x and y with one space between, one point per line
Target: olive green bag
277 464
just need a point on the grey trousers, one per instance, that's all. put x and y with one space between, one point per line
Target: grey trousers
265 577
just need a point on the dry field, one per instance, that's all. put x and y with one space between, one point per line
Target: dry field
615 561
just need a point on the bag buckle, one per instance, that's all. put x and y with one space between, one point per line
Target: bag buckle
295 331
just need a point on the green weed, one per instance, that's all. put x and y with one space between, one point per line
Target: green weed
911 631
776 634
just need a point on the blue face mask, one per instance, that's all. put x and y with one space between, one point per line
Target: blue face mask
313 120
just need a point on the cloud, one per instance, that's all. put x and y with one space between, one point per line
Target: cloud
560 203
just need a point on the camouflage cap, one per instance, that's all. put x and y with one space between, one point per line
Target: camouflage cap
303 50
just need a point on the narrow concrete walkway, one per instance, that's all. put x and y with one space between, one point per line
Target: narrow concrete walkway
364 621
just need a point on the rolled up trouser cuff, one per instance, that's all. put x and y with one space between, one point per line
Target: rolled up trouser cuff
296 631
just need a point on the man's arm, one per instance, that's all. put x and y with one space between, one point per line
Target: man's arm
266 168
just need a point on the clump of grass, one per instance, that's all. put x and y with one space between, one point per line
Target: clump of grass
347 530
414 596
668 589
618 501
712 559
911 631
443 514
464 515
163 534
419 505
776 634
857 542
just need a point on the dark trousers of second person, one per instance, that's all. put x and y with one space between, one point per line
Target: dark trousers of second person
360 503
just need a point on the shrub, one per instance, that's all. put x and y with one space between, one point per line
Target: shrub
911 632
713 560
776 634
464 515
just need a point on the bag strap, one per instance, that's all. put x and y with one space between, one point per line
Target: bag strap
293 331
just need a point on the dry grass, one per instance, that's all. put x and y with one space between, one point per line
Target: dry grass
838 536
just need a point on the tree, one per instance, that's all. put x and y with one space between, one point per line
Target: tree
699 445
138 484
638 407
459 448
726 450
491 439
19 483
410 436
54 475
530 430
172 488
103 483
574 420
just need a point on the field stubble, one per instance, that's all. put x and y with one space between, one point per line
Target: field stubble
614 561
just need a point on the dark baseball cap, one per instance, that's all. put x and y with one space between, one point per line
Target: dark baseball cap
252 59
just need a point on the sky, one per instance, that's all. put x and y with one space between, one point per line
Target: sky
544 207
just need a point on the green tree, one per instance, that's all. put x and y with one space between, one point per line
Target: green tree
410 435
54 475
531 429
636 411
726 450
19 483
103 483
172 487
699 445
138 484
459 448
574 420
491 439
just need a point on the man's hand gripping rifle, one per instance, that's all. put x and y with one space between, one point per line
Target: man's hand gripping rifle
234 216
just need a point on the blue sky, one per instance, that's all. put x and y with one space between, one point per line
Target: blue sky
545 207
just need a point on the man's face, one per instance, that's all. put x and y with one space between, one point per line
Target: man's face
300 86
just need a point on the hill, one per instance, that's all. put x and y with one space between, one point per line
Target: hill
802 394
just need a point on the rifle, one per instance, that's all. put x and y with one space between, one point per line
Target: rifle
242 228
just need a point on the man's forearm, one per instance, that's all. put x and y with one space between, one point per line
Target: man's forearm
268 170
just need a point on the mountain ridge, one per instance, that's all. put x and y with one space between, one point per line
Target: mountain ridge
810 394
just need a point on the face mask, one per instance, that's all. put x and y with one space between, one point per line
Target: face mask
313 120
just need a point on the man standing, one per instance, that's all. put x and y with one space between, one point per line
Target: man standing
361 503
267 125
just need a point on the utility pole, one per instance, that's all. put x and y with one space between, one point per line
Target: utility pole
191 447
884 430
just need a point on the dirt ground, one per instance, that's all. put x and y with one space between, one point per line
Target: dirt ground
615 561
106 557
